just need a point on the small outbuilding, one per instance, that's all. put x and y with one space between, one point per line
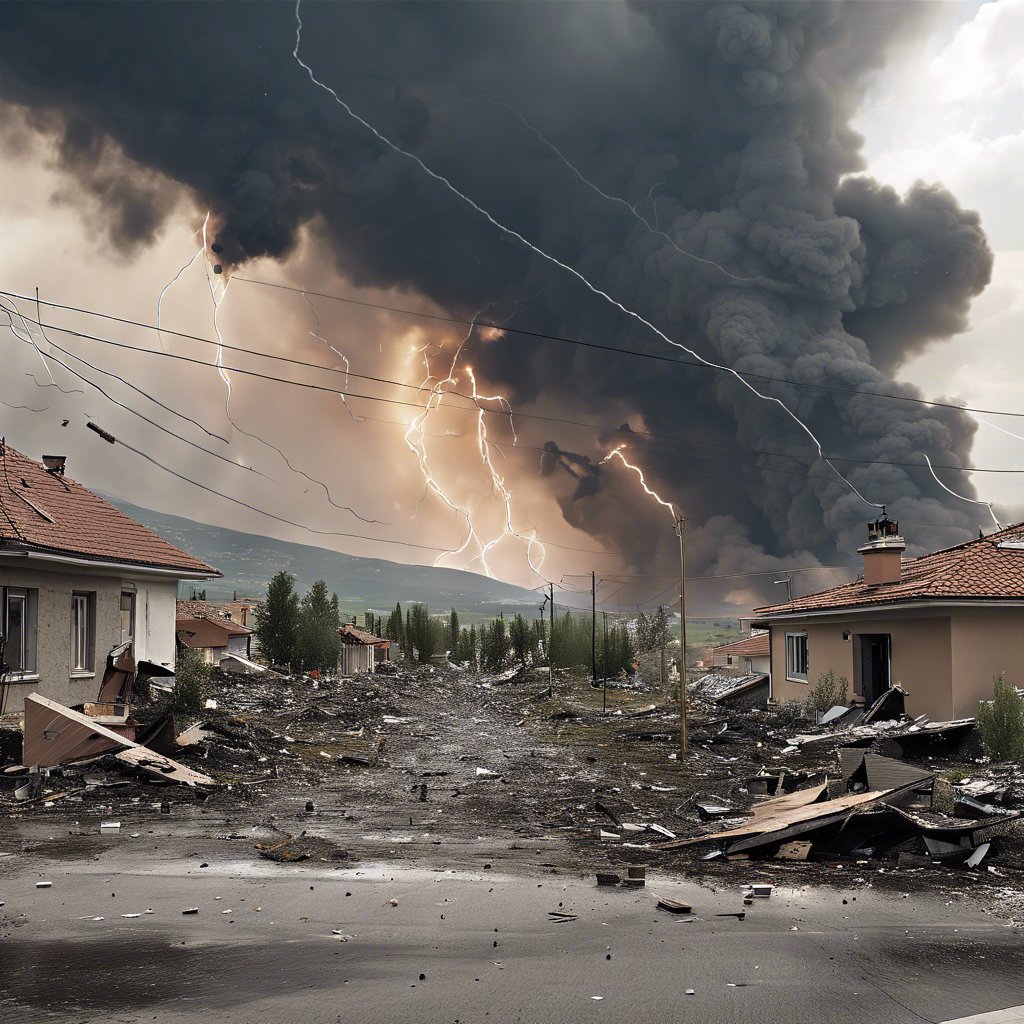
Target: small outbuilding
360 650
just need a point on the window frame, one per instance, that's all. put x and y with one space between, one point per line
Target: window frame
83 633
793 674
130 593
28 641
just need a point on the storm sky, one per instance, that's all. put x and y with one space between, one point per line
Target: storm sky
757 182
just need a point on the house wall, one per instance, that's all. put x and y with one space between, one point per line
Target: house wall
987 642
53 676
155 613
922 660
154 628
356 658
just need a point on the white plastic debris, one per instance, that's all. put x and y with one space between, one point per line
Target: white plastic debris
486 773
211 704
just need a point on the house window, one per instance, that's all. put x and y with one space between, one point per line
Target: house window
82 633
127 615
19 621
796 656
728 659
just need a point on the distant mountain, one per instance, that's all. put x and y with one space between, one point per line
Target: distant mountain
248 561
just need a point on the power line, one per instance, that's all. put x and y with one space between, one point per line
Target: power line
623 351
99 339
244 504
618 576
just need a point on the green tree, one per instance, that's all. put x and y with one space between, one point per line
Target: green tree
276 620
394 630
494 652
317 642
423 633
465 653
191 680
519 639
1001 723
453 633
538 641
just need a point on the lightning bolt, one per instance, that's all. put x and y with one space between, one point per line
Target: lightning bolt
25 334
174 280
217 296
498 481
594 289
415 440
315 333
973 501
616 453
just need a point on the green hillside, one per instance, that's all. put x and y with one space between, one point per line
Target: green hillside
248 561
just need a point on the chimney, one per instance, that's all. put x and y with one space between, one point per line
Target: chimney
883 551
55 464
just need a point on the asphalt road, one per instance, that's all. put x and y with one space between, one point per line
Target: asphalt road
263 947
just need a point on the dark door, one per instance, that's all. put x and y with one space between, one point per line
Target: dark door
873 665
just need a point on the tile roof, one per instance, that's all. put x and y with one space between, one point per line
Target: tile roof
353 635
755 646
49 512
990 568
212 632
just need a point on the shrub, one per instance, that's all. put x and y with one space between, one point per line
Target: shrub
828 692
191 679
1001 723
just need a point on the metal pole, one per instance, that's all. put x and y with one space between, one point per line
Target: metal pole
593 628
681 534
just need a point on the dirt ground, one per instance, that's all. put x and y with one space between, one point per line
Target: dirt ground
441 767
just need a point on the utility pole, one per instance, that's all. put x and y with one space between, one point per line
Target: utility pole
604 619
681 534
593 630
551 640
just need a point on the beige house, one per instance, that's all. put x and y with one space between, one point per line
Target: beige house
213 637
78 577
942 626
742 657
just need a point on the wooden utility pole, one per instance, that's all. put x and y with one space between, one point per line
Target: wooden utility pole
593 628
551 639
681 534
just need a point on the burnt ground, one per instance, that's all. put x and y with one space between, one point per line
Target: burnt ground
362 749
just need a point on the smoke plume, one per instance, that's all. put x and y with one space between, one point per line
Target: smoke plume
727 124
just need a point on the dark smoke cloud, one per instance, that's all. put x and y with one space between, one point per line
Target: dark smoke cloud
727 122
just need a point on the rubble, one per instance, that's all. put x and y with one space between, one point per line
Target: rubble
561 769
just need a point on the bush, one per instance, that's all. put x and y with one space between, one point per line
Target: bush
828 692
1001 723
191 679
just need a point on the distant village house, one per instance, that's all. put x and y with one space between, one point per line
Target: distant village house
212 634
360 650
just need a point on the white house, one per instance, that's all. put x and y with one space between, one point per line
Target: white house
77 578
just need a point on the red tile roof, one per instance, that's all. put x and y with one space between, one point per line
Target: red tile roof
980 570
208 632
353 636
48 512
755 646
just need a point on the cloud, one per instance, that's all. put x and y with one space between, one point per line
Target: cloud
731 122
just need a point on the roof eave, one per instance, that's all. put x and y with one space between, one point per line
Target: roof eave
765 618
36 553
